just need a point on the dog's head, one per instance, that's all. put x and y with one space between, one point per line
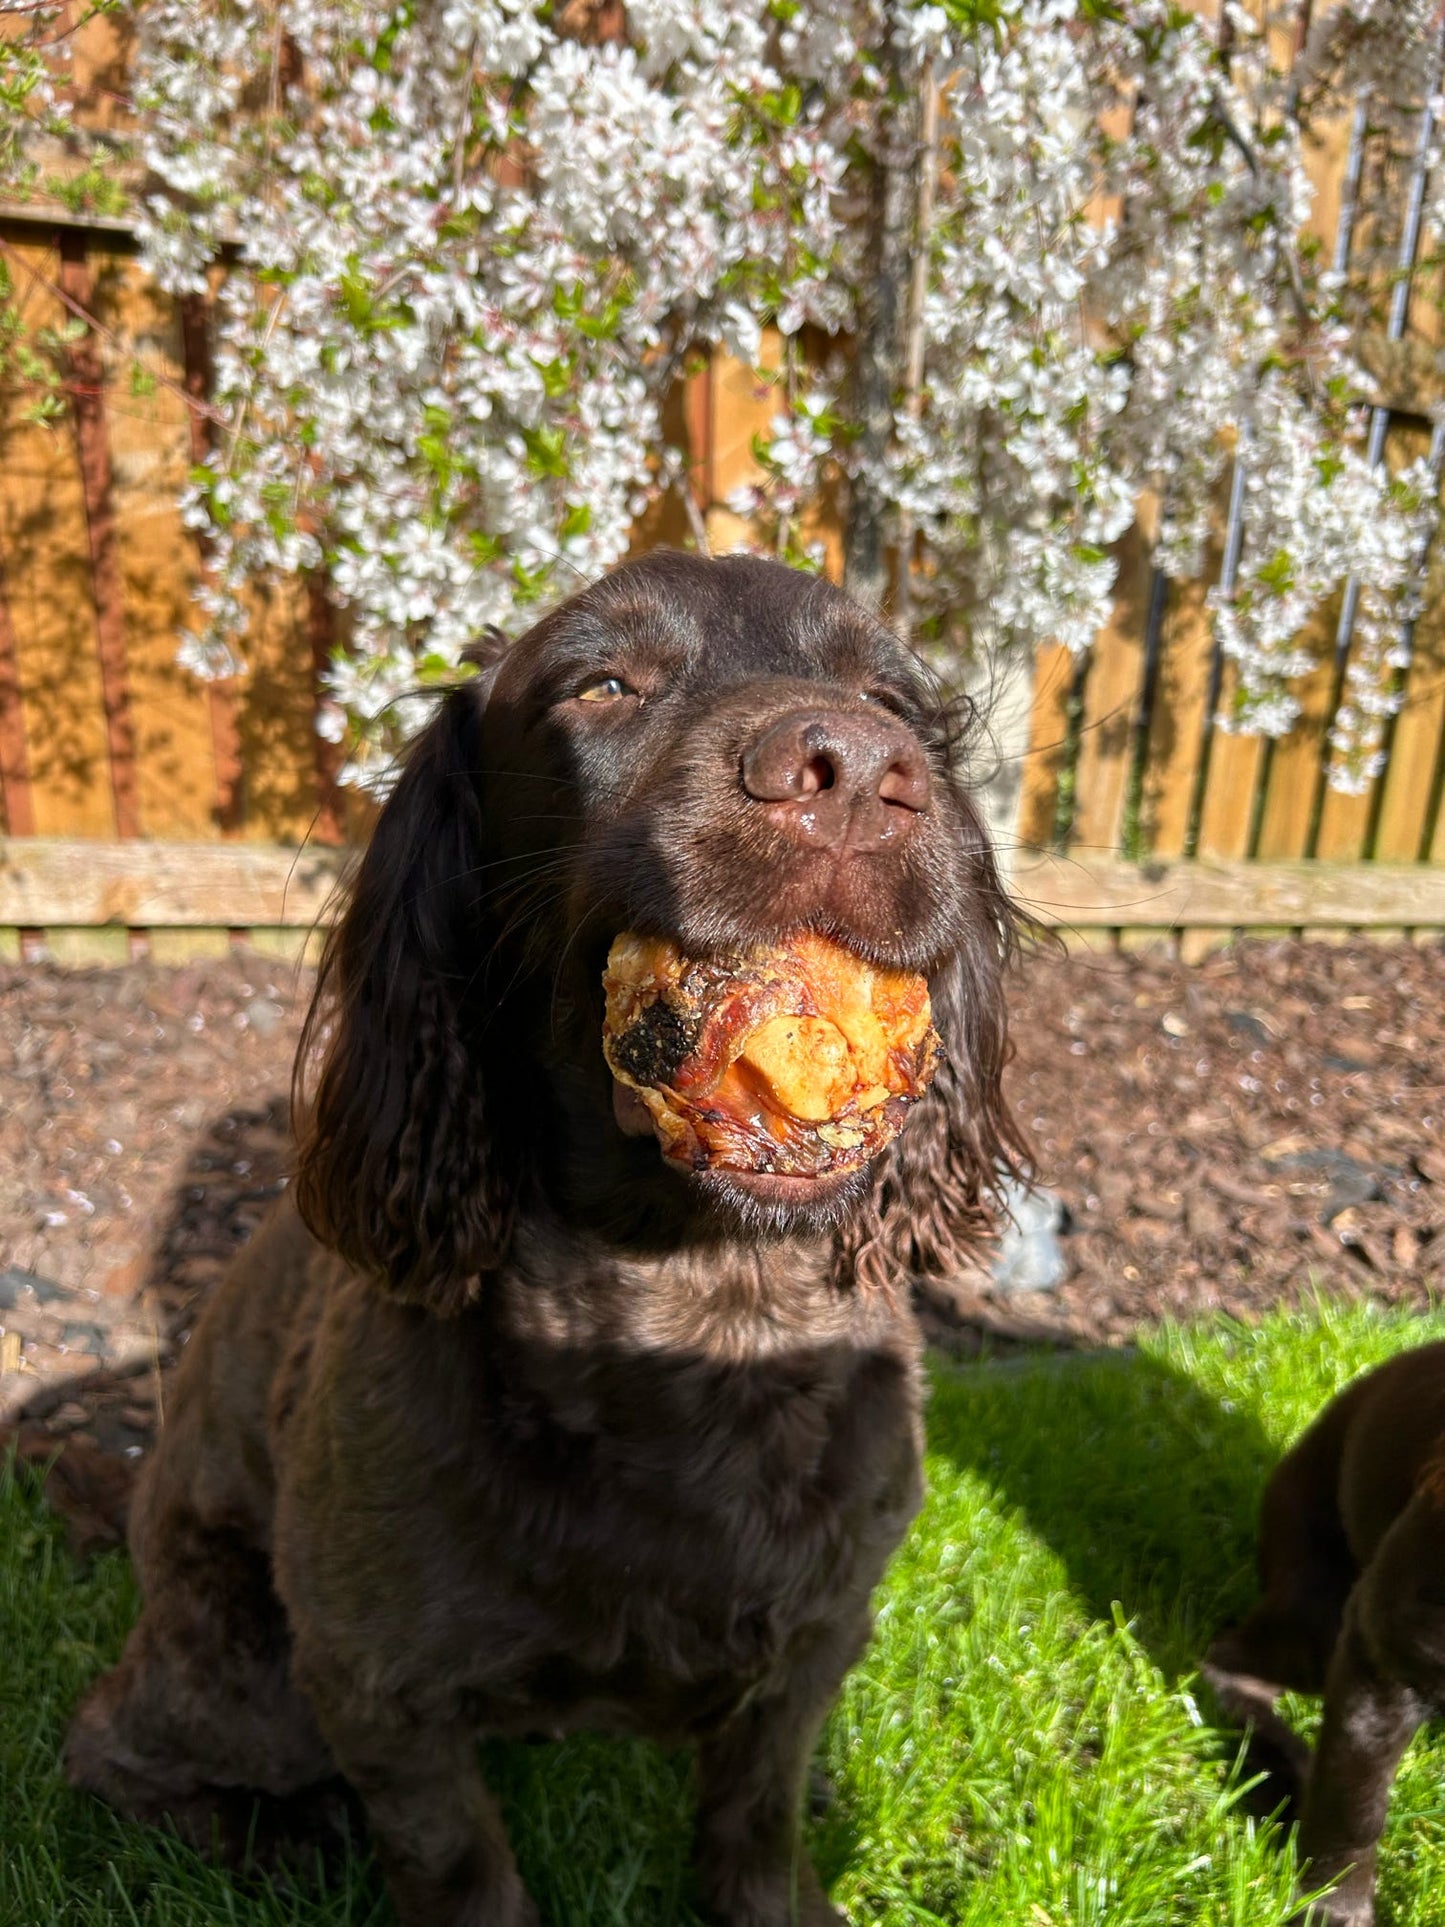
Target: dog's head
715 752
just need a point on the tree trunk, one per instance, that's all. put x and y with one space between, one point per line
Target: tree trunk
878 368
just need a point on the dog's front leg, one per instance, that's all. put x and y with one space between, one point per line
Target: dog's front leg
1386 1672
437 1830
1368 1723
751 1865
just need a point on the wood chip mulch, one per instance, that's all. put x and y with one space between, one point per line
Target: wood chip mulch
1222 1137
1231 1135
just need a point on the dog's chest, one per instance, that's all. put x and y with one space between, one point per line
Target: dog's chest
683 1528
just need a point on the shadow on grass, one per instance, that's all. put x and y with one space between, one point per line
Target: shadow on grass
1144 1486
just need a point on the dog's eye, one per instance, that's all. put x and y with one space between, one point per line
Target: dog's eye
604 689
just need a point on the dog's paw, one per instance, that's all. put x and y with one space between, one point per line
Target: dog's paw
1352 1902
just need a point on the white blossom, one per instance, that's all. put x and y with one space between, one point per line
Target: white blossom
470 250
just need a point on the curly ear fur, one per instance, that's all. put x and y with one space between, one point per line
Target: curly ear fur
935 1192
397 1167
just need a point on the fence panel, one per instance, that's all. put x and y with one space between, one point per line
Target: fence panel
102 735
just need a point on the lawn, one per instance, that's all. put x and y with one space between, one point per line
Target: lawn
1022 1746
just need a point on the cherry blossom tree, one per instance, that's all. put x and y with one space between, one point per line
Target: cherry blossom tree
1030 262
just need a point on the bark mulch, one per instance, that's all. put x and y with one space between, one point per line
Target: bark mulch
1222 1137
143 1134
1231 1135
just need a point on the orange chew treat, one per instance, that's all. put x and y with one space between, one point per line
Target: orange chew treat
800 1059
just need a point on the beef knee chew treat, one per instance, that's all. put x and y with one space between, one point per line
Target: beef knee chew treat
798 1058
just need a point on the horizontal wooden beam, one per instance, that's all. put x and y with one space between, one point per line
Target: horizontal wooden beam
148 886
29 221
1097 892
239 886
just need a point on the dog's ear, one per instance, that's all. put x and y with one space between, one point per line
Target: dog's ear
398 1169
935 1191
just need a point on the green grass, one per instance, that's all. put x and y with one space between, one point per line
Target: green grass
1021 1747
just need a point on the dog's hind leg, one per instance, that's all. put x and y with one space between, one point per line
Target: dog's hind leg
200 1722
1386 1678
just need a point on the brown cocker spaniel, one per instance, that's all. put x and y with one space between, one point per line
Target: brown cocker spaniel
504 1424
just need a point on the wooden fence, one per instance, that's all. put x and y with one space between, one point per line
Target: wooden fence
139 807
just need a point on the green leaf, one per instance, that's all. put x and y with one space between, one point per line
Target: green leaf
1276 575
546 451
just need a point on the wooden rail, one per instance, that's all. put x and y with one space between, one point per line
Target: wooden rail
142 885
49 886
1092 892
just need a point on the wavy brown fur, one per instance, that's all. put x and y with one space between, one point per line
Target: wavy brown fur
396 1167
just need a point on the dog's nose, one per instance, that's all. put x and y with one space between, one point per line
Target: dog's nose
837 777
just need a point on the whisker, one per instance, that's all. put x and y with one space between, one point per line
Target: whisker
576 931
544 861
526 911
525 775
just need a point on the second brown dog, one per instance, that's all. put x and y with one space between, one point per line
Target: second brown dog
1352 1571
